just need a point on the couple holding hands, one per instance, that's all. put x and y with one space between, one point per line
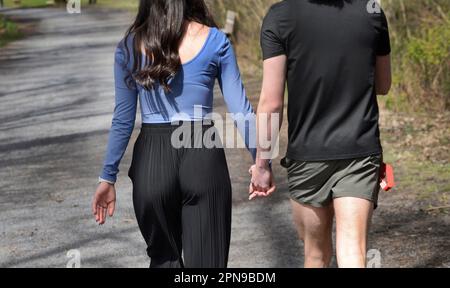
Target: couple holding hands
334 56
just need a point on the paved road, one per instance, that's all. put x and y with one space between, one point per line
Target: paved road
56 94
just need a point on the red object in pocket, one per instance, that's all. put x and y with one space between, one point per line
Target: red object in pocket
387 181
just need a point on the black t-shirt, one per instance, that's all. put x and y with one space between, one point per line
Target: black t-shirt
331 48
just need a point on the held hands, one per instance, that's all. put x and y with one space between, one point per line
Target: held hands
104 202
262 183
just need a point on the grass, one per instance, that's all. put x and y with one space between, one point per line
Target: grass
123 4
422 163
428 179
9 31
424 181
246 35
26 3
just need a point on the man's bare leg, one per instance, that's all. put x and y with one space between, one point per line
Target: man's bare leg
353 216
314 226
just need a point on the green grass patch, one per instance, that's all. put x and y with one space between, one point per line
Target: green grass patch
415 145
9 31
427 180
122 4
26 3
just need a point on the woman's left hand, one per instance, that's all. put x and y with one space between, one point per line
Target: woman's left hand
262 184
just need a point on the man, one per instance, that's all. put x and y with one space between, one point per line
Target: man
335 57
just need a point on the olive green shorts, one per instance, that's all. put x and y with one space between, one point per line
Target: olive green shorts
318 183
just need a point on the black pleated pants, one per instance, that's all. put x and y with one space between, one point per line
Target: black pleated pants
182 197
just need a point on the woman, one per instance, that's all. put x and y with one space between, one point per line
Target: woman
169 60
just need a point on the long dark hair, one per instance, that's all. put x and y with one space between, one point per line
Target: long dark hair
159 28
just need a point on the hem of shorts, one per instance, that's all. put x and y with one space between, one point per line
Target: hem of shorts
375 203
308 203
297 157
323 205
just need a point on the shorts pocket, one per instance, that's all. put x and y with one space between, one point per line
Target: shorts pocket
376 160
286 162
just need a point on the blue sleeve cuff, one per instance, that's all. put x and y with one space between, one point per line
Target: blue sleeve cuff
109 178
100 180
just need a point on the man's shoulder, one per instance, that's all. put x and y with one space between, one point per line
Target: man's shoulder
279 6
277 11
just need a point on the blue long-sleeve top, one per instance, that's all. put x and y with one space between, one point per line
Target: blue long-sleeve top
191 93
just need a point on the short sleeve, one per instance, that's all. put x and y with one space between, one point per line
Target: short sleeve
271 41
383 43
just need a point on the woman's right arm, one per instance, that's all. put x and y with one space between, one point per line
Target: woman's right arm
123 119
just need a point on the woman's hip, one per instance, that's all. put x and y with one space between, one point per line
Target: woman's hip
176 152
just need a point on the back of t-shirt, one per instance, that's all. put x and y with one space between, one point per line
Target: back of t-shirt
331 48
